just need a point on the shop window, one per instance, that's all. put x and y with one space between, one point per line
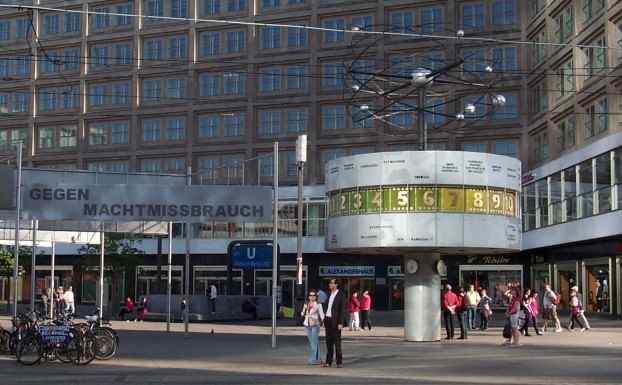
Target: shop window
151 280
597 283
556 198
542 203
570 193
204 276
494 279
586 189
566 278
529 210
603 182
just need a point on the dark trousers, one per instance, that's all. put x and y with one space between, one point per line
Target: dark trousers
483 320
576 318
365 321
123 312
333 341
529 318
212 305
464 324
449 323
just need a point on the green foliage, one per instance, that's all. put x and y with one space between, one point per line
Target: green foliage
119 254
7 259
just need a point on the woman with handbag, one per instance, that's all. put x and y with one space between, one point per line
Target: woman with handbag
313 315
485 311
513 313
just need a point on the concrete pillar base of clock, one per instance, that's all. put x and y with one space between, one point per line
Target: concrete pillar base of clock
422 298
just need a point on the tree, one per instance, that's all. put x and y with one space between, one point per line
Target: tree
7 259
120 256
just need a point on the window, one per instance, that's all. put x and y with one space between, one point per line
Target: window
270 37
297 120
178 48
51 24
98 135
210 7
51 63
164 165
539 47
402 21
474 60
209 85
12 136
539 98
361 117
291 165
565 79
234 124
363 23
151 130
71 97
540 146
22 66
234 84
270 80
67 137
209 126
154 8
432 20
591 8
101 19
509 110
296 78
563 27
435 111
333 117
332 37
473 16
46 138
120 166
23 29
121 94
237 5
236 41
474 147
269 123
210 43
266 165
596 58
123 53
597 118
71 59
179 8
97 95
152 90
477 101
65 98
72 22
120 133
566 133
505 147
48 100
20 102
503 12
267 4
175 129
296 37
505 59
333 75
176 88
99 56
402 114
328 155
535 6
123 9
153 49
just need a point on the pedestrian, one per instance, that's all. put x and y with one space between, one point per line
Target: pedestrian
44 300
450 304
582 312
365 308
513 312
60 301
313 317
471 300
353 309
485 310
550 301
534 308
575 310
213 294
68 297
526 312
127 308
183 307
142 309
333 323
462 312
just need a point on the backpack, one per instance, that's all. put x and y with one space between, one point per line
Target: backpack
558 298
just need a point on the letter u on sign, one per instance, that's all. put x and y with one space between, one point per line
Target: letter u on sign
251 252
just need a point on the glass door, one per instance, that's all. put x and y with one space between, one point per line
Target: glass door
565 278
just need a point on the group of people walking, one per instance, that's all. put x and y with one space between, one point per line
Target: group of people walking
63 301
471 306
135 312
329 310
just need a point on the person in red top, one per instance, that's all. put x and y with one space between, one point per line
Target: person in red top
461 310
365 307
128 308
353 309
450 304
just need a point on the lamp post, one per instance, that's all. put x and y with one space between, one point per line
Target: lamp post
301 158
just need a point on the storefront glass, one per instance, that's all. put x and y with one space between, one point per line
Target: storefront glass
263 283
204 276
147 280
540 276
586 188
570 193
556 198
566 278
496 279
603 182
597 288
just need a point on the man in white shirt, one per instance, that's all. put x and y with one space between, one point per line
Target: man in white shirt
333 323
213 293
549 301
68 297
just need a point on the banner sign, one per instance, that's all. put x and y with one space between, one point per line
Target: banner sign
251 256
347 271
142 202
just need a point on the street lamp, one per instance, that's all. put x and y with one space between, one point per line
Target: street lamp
301 158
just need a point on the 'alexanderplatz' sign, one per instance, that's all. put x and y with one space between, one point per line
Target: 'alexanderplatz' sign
143 202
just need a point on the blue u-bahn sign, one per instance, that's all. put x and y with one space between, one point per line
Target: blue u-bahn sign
251 255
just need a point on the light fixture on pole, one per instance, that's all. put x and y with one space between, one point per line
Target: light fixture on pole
301 158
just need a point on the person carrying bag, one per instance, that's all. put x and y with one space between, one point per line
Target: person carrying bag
313 318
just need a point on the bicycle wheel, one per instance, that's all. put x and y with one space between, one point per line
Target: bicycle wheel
5 342
67 353
106 347
29 350
87 346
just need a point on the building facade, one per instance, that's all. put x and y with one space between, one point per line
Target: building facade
115 93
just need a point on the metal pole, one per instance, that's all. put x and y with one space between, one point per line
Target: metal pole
102 238
275 239
169 277
301 166
33 263
423 135
18 208
243 171
52 284
187 270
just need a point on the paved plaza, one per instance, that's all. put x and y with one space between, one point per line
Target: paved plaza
241 354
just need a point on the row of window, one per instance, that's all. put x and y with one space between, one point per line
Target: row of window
587 9
579 191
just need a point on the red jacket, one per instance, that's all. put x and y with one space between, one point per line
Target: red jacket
450 299
365 303
353 305
461 303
